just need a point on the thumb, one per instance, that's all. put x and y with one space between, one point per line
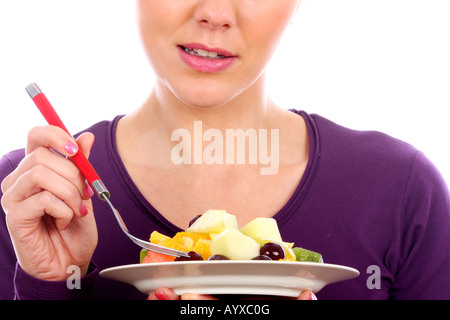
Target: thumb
307 295
85 142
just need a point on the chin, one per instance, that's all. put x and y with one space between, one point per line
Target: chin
205 97
204 103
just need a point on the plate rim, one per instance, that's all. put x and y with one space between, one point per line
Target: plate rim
211 262
269 290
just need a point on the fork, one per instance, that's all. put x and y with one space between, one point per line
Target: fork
143 244
89 173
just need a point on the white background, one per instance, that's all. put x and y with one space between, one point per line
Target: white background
365 64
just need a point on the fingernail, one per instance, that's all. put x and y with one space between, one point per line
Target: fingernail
161 296
83 209
312 296
88 192
71 148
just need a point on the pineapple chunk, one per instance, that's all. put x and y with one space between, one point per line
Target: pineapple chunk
214 221
157 237
262 230
234 245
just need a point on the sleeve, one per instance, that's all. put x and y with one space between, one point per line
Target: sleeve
7 256
423 270
16 283
27 287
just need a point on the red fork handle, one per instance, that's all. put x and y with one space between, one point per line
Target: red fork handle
79 159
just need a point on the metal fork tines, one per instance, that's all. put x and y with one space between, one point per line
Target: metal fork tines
143 244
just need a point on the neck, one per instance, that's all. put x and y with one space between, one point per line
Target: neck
250 109
163 113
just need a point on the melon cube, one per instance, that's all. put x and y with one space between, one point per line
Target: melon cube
214 221
262 230
234 245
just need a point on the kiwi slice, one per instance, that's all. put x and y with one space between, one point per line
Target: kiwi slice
305 255
142 255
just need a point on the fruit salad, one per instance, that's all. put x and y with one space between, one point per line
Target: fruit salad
215 235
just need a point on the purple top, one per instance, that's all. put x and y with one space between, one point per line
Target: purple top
366 200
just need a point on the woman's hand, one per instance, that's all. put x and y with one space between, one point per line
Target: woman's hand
48 208
169 294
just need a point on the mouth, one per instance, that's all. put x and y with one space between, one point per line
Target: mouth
204 53
204 59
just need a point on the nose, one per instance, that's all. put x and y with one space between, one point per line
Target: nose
215 14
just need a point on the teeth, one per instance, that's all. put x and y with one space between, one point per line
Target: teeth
212 55
204 53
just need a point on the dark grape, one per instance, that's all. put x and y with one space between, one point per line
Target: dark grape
273 250
261 257
218 257
192 256
194 219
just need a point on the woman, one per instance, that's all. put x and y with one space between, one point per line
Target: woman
361 199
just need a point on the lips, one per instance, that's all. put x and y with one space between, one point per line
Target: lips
204 59
204 53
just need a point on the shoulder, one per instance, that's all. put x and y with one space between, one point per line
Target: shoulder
373 150
372 161
382 162
361 140
101 129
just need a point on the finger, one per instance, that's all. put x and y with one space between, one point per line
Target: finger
307 295
53 138
196 296
163 294
28 214
51 160
41 178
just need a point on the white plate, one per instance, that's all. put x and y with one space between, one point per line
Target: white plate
253 277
